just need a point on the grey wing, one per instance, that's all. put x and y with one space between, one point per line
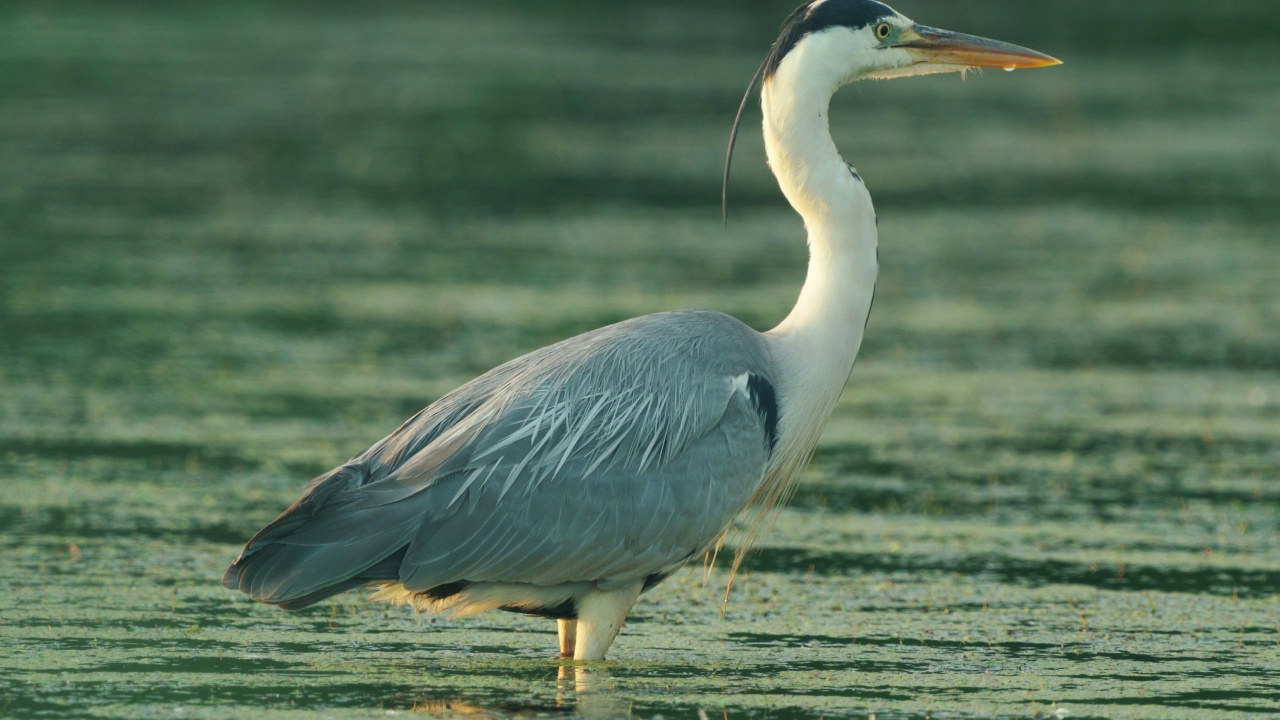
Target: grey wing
607 458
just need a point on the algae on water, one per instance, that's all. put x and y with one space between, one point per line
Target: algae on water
239 243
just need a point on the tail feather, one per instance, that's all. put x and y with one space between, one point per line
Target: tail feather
274 570
315 597
386 569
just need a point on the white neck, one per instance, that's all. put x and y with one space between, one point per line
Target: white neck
816 344
814 347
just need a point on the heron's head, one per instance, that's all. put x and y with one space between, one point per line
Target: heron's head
842 41
825 44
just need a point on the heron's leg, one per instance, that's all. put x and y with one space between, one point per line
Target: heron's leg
600 617
568 634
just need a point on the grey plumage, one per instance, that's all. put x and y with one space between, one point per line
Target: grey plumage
611 457
567 481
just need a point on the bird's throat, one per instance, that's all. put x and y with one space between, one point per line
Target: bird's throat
817 343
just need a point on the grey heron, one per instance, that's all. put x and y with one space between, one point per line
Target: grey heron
566 482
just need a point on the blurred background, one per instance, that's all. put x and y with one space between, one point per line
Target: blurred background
240 241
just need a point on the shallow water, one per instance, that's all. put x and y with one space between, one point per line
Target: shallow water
239 243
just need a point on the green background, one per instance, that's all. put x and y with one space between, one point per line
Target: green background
240 241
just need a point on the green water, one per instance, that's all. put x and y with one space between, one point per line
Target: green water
240 241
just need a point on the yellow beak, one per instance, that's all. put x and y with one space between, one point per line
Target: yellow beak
942 47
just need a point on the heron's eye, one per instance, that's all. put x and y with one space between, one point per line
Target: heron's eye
883 30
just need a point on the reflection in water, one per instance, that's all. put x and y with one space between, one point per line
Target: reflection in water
591 691
460 708
581 691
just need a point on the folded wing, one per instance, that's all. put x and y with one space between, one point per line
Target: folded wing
610 457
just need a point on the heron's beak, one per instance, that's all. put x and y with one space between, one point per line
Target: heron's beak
942 47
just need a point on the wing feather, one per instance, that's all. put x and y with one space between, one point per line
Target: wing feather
607 458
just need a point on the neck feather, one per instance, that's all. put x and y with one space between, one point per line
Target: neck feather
815 346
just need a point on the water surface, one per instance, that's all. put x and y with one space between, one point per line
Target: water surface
240 242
